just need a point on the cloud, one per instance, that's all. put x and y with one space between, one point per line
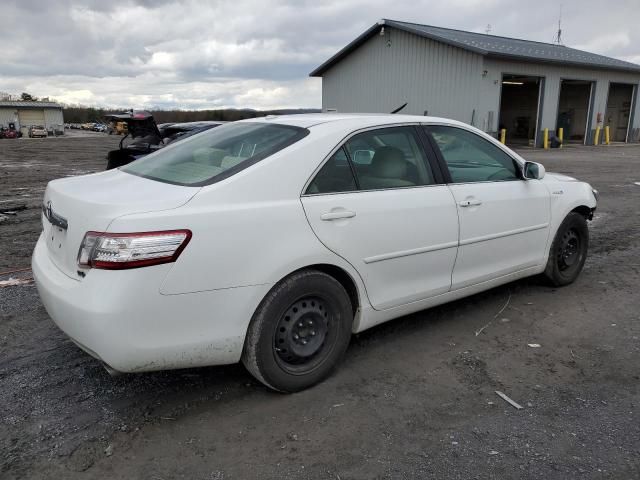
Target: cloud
606 43
248 53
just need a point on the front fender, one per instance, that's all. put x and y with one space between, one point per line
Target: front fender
565 198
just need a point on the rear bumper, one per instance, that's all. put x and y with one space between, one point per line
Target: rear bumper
121 318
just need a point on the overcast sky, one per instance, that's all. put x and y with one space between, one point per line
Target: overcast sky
250 53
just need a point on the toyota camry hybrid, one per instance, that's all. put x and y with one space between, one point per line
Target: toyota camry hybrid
270 241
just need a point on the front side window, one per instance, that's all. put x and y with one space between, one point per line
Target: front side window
471 158
215 154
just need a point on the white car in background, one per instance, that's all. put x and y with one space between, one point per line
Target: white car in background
272 240
37 131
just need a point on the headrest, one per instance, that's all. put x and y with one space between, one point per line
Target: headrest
389 162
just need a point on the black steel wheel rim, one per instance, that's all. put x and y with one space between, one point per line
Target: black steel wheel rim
304 334
568 254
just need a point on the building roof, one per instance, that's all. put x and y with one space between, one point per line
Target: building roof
29 104
490 46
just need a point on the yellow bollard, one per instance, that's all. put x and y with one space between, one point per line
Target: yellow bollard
606 135
503 136
545 142
561 136
596 140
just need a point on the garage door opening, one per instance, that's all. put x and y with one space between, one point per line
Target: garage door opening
574 107
519 106
619 111
29 118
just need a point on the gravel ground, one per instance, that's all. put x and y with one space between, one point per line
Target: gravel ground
414 399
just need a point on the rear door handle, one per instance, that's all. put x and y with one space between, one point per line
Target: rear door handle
327 217
470 203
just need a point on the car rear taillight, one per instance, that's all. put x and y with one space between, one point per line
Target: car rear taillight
117 251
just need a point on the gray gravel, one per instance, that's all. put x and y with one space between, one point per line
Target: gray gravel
414 399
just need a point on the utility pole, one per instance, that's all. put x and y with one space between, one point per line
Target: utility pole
488 29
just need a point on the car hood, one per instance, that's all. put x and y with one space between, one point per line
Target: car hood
559 177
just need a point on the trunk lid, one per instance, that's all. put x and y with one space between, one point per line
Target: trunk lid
139 124
73 206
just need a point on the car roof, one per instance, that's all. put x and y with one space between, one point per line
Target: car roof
307 120
200 122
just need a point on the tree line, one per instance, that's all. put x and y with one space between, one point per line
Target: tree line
82 114
90 114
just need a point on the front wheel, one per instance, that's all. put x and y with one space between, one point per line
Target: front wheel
299 332
568 250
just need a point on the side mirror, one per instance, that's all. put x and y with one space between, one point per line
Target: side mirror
533 171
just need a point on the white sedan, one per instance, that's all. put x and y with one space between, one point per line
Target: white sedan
272 240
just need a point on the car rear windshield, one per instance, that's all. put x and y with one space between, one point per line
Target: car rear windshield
215 154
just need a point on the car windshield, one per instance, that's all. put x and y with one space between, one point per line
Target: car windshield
215 154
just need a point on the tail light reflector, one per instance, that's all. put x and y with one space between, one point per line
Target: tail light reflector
117 251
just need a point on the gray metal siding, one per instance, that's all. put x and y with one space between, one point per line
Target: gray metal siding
491 86
53 117
426 74
451 82
8 115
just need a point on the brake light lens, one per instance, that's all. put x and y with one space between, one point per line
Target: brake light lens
117 251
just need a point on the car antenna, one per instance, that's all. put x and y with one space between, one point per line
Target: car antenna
399 108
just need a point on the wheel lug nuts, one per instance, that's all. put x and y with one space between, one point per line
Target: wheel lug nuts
300 324
304 342
295 336
313 333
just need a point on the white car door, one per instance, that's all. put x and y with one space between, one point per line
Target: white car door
377 203
504 219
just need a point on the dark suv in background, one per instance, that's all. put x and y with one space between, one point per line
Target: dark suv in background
145 136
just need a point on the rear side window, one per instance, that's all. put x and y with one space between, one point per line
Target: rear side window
375 160
471 158
389 158
215 154
335 176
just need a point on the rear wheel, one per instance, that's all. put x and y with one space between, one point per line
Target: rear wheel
300 332
568 251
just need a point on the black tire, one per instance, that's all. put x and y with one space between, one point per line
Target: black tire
568 250
308 306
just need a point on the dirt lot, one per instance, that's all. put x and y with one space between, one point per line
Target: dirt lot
414 399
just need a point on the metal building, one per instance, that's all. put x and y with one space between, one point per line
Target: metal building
487 81
24 114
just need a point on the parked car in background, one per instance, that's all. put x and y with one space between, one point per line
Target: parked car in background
143 136
55 130
37 131
8 133
272 240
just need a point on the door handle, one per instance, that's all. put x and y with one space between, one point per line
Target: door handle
470 203
327 217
